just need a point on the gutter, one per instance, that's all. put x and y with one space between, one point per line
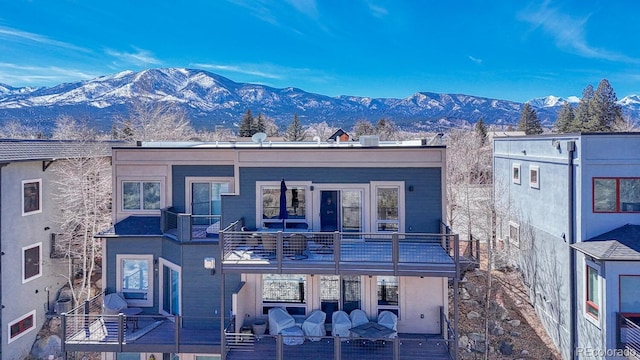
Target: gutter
573 331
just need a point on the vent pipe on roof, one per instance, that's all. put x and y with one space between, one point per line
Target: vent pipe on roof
317 139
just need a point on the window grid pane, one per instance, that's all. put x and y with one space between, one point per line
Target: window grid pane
31 262
604 195
151 195
284 288
31 192
131 195
387 290
630 195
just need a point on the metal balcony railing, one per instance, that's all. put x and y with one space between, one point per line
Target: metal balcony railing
187 227
628 335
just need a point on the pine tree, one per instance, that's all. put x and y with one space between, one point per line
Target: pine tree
295 132
566 118
245 125
481 130
529 122
258 125
604 110
582 114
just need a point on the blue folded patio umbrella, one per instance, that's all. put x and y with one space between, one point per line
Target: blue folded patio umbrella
283 202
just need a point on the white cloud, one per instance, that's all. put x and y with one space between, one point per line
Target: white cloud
475 60
14 74
568 32
307 7
139 57
244 69
15 35
378 11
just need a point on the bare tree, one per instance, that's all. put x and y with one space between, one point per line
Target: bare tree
84 198
321 130
16 130
68 128
155 121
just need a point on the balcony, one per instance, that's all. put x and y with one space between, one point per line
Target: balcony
409 254
628 335
188 227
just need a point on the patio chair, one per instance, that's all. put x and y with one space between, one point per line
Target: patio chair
340 325
113 304
269 243
358 317
279 319
313 326
297 245
389 320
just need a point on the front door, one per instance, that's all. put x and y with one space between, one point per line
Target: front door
341 210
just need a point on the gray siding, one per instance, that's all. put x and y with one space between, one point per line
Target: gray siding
423 205
179 172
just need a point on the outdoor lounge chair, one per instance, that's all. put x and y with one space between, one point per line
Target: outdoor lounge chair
340 325
279 319
113 304
313 326
358 317
389 320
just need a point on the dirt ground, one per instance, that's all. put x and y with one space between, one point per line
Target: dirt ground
514 329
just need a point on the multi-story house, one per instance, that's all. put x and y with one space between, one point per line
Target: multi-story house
209 237
31 274
569 215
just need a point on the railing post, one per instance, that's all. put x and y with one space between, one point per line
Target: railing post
177 321
336 250
337 348
163 220
456 258
184 227
64 333
279 350
279 249
395 252
121 323
396 348
618 331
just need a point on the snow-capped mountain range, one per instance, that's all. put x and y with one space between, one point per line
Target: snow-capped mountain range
212 100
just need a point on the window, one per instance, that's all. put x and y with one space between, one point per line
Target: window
616 195
204 198
515 173
387 290
387 209
630 294
21 326
340 293
269 204
285 290
534 177
592 292
140 195
135 279
31 197
31 262
514 233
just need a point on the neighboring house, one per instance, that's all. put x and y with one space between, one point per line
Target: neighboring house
569 214
209 236
339 136
31 274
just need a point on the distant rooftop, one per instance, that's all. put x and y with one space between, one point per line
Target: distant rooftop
26 150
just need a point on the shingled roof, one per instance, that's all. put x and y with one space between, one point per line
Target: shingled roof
26 150
622 243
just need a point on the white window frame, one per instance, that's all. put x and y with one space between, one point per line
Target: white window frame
307 206
516 179
534 184
590 317
379 307
516 227
148 302
375 185
189 180
302 305
141 180
39 274
39 182
366 200
161 263
9 325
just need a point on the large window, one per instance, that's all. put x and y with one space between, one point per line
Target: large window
31 262
135 279
269 204
340 293
388 293
140 195
630 294
616 195
170 288
31 197
592 292
204 197
285 290
21 326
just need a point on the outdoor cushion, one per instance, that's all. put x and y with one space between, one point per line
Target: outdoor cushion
279 320
292 336
389 320
340 324
314 325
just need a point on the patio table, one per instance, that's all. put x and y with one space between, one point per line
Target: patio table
372 330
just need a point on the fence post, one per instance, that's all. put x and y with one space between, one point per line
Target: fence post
395 252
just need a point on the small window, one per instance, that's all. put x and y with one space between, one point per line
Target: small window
21 326
140 195
135 279
387 204
31 262
515 173
592 292
388 291
514 234
534 177
31 197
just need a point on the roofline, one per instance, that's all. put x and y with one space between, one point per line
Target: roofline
561 135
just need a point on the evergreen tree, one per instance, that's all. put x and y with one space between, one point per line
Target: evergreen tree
258 125
245 125
529 122
582 114
481 130
604 110
295 132
566 119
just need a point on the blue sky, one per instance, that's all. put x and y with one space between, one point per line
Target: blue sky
514 50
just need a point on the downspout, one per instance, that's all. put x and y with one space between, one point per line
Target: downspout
1 253
571 148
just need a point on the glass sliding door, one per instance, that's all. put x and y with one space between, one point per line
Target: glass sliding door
341 210
340 293
170 286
